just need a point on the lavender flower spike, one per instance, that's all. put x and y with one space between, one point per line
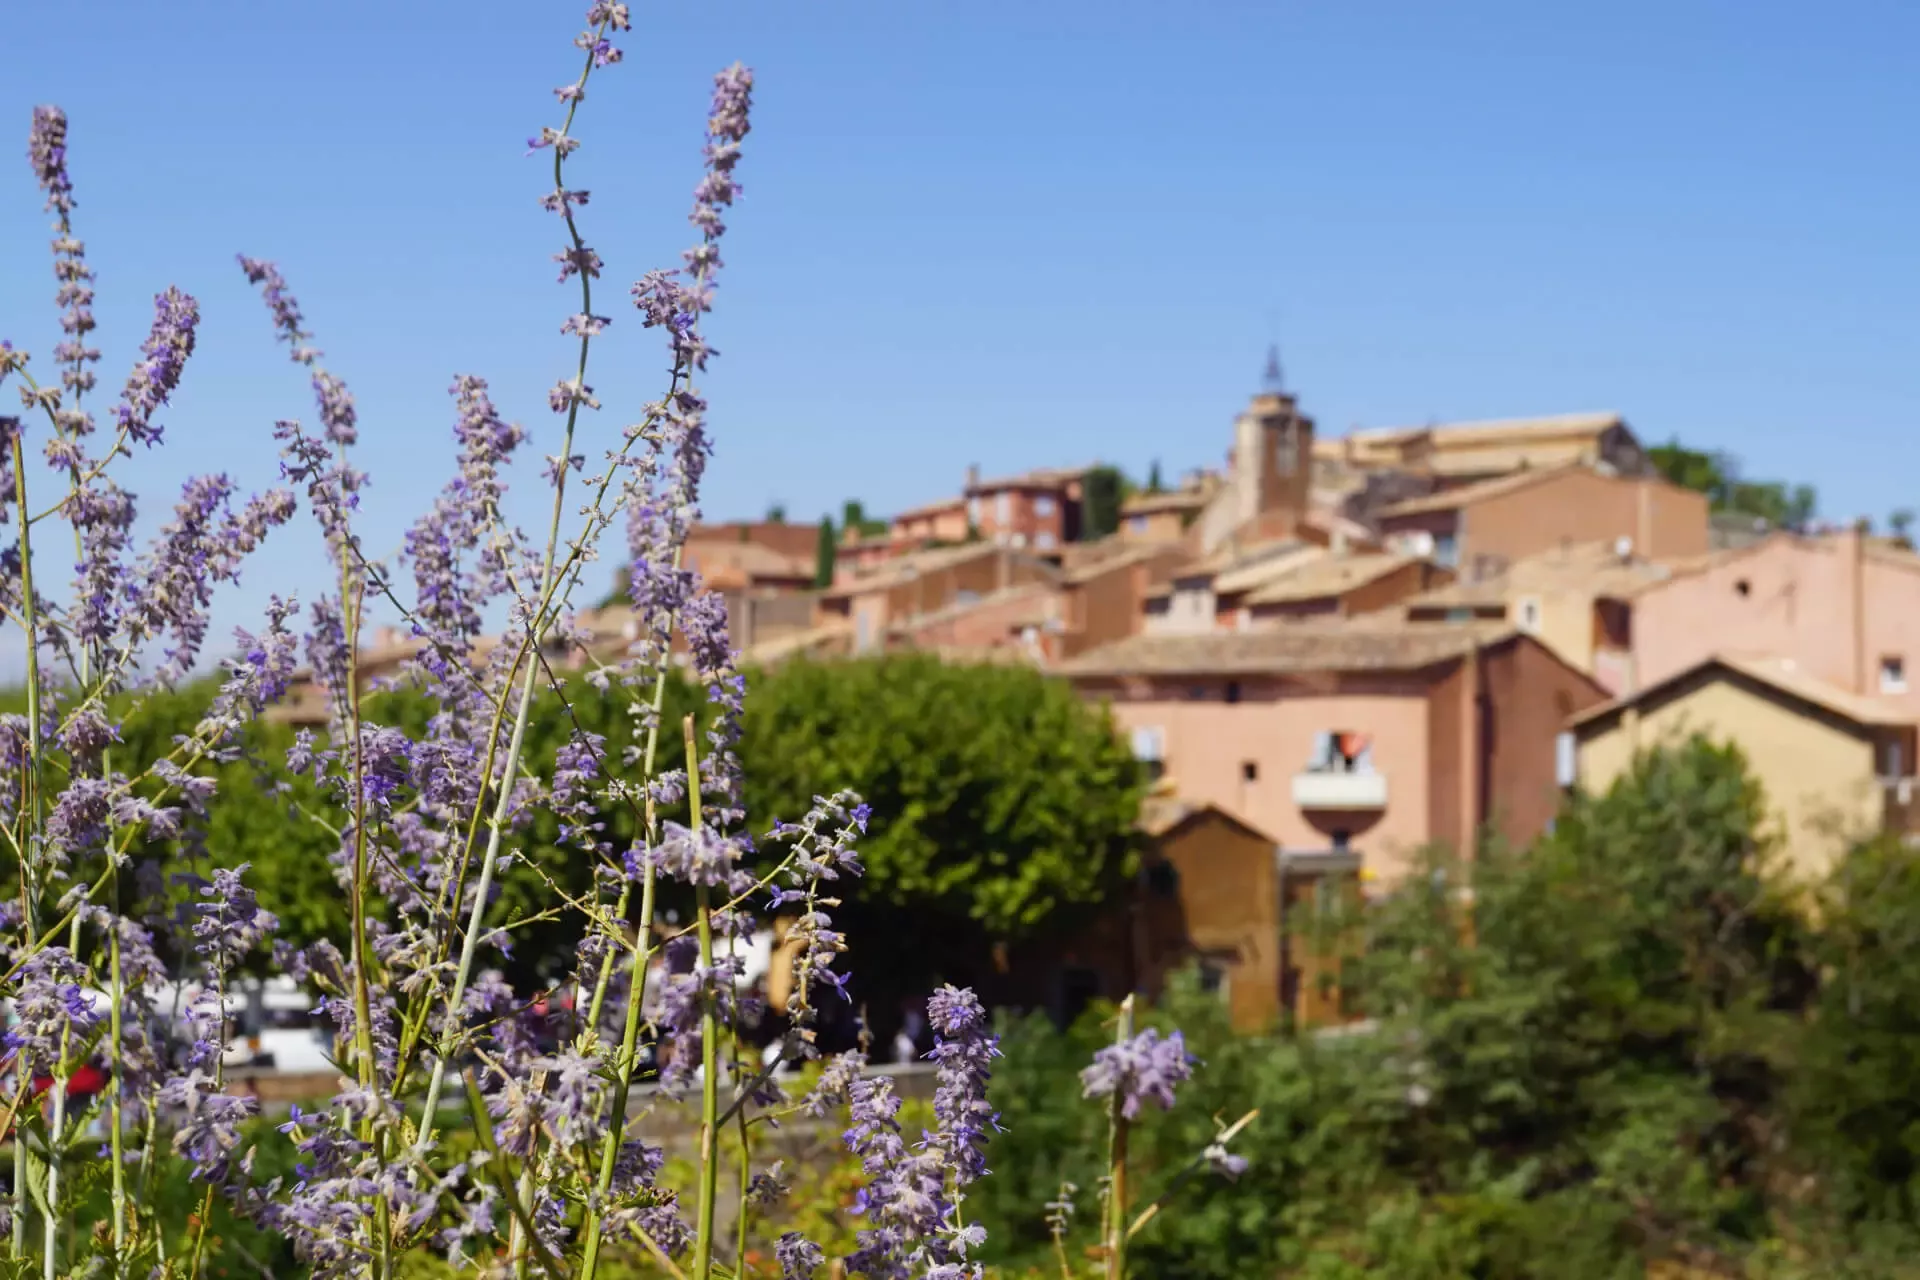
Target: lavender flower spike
964 1052
1145 1067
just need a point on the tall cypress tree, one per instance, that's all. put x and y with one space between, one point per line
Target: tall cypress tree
823 554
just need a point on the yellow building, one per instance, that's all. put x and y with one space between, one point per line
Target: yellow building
1835 766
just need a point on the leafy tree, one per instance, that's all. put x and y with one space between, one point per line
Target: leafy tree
777 513
1102 491
1901 522
1718 476
853 515
825 551
1003 805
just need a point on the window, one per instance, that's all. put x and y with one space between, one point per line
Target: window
1565 760
1527 614
1043 540
1459 615
1893 673
1043 506
966 597
1893 758
1341 751
1233 688
1003 508
1149 748
1446 550
973 512
1342 839
1249 771
1213 978
1743 588
1138 524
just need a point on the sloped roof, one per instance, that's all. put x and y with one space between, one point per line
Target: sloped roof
1591 568
905 568
1782 675
1038 478
1160 815
797 643
1495 430
1361 645
756 559
928 509
1133 553
1040 596
1468 494
1330 575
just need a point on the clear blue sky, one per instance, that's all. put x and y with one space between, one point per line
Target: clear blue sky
1014 233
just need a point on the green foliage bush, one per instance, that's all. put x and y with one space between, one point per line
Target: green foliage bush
1003 805
1632 1047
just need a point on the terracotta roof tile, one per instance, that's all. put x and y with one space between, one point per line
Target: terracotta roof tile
1496 430
905 568
1468 494
1040 596
1300 648
1038 478
1589 568
1330 576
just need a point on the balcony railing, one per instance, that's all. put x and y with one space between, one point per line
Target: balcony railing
1339 789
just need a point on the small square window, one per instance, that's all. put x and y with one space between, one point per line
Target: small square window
1342 839
1743 588
1527 614
1249 771
1893 673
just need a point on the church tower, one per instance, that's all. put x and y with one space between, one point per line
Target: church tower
1273 457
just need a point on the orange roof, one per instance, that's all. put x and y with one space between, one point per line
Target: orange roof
1587 568
933 508
1039 478
1360 645
1468 494
1330 576
1496 430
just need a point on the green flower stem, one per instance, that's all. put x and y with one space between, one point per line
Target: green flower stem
1116 1215
709 1048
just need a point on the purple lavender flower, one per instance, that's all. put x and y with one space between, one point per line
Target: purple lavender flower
231 921
798 1257
47 151
964 1050
51 1012
1224 1162
207 1123
166 350
1145 1067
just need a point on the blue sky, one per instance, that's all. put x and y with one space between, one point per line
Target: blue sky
1012 233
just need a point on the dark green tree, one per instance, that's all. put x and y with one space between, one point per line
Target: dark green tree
1102 491
824 551
777 513
1153 478
1718 476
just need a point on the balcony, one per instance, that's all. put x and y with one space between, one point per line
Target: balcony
1346 790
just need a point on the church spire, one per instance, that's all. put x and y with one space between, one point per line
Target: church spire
1270 380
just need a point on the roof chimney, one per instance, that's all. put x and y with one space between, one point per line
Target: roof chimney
973 476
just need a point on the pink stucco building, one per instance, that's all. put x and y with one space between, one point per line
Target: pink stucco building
1844 607
1366 738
